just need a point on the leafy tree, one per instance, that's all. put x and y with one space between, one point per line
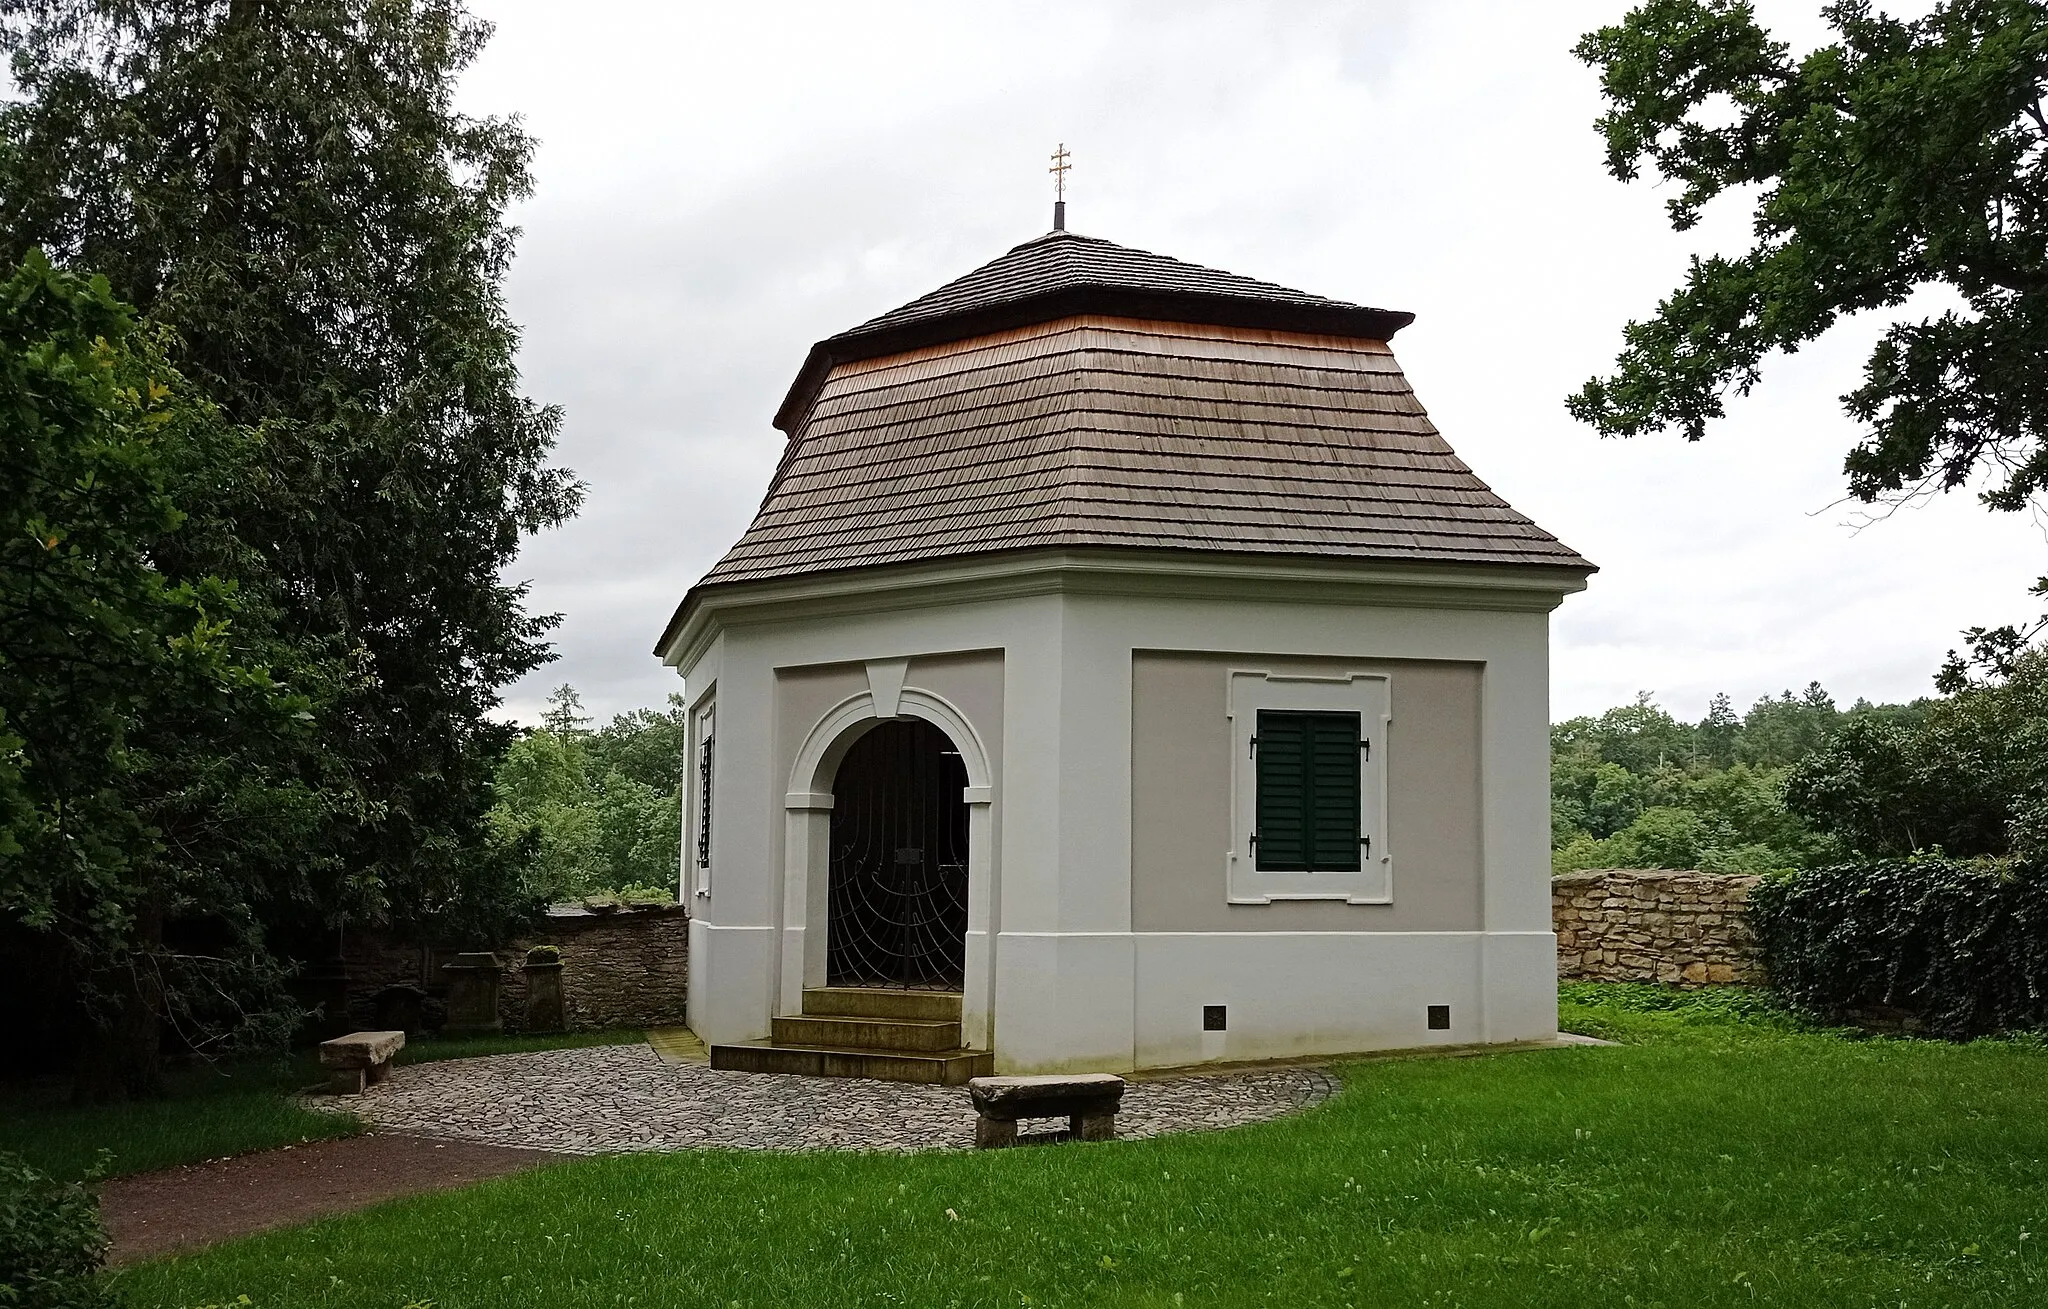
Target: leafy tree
596 823
1782 731
1714 738
160 778
1965 774
1745 807
1729 820
651 746
544 787
1667 837
1599 799
639 834
1638 736
1870 788
287 187
1907 154
564 715
1970 778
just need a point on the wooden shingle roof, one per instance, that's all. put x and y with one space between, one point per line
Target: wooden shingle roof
1109 429
1064 273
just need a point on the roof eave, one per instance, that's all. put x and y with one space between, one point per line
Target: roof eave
1554 580
1355 321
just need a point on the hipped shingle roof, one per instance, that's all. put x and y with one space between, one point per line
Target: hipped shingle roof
1062 274
1232 426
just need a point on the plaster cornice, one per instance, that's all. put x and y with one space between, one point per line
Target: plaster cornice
1138 574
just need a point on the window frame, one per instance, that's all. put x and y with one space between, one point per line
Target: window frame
1269 749
700 783
1369 695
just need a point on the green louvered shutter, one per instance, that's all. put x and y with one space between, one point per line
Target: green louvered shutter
1281 831
1308 792
1333 769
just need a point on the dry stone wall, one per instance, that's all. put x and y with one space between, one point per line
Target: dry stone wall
1654 925
625 968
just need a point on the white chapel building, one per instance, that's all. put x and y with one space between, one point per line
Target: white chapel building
1121 672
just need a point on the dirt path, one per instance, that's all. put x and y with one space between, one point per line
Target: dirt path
152 1214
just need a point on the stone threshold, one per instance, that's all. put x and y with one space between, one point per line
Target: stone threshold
678 1045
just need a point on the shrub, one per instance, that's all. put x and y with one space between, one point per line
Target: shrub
647 895
1960 945
51 1242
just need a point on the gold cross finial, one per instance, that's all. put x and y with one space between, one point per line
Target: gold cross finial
1059 174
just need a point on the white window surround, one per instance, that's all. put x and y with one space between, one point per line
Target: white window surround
1369 696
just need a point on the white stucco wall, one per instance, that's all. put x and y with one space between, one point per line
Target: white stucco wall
1073 985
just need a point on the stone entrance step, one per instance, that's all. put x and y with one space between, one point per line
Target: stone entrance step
864 1031
941 1068
882 1002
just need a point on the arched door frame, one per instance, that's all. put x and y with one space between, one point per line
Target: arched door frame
807 846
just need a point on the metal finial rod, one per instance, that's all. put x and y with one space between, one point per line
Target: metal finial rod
1059 174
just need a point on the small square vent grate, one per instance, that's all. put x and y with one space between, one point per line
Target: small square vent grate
1213 1019
1439 1018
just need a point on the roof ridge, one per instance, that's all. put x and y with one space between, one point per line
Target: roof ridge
1061 234
1226 281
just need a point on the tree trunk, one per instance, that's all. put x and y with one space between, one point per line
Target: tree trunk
121 1050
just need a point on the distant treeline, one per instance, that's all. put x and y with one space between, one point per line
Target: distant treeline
601 808
1798 782
1794 782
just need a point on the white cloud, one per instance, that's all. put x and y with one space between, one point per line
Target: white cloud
719 186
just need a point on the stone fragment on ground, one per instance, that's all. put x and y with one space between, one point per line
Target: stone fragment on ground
618 1098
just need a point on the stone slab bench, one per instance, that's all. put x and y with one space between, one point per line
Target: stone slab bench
359 1059
1088 1101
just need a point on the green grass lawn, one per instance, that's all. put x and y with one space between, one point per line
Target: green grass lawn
219 1110
1722 1157
209 1112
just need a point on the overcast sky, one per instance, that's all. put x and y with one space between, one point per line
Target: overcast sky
721 185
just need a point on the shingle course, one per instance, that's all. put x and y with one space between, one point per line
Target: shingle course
1062 274
1098 431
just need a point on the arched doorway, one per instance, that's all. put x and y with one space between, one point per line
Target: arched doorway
897 898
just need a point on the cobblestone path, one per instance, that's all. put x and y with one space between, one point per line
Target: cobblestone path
604 1099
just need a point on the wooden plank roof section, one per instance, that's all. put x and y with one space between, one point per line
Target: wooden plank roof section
1109 430
1064 273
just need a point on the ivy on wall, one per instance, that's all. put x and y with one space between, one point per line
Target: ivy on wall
1960 945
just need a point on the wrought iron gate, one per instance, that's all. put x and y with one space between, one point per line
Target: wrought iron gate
898 894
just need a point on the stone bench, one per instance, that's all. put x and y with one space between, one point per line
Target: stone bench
1088 1101
359 1059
